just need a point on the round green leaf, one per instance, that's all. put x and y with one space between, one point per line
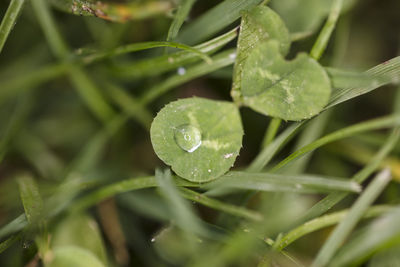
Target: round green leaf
199 138
290 90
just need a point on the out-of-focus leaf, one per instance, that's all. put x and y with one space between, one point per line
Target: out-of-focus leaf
82 231
30 196
67 256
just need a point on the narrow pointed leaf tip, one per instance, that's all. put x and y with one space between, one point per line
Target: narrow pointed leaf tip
199 138
290 90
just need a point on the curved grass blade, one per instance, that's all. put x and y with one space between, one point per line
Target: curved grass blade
9 242
182 213
158 65
181 14
15 122
326 32
86 88
214 20
269 151
121 187
221 60
382 74
383 122
87 59
349 222
382 233
219 205
325 221
9 20
282 183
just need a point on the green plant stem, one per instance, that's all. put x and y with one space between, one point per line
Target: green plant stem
9 20
383 122
219 205
85 87
118 188
143 46
266 154
351 219
271 131
219 61
325 221
326 32
181 14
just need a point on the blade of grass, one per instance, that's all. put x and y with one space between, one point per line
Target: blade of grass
148 67
278 182
9 20
30 196
382 233
383 122
87 59
130 105
30 80
20 113
332 199
9 241
181 14
221 60
182 214
311 133
85 87
14 226
382 74
121 187
269 151
72 184
326 32
219 205
158 65
349 222
325 221
37 153
271 132
214 20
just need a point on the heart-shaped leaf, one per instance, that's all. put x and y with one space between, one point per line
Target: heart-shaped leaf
199 138
258 25
290 90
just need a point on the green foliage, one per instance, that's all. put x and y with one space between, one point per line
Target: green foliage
234 191
293 90
199 138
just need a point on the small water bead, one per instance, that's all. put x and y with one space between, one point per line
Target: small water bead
187 137
181 71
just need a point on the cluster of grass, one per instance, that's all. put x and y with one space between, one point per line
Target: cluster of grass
80 183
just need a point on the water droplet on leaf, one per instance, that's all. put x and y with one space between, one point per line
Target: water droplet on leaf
187 137
181 71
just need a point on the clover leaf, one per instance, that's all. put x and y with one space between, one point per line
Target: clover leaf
199 138
290 90
258 25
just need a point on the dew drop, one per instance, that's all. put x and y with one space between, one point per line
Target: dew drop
187 137
181 71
